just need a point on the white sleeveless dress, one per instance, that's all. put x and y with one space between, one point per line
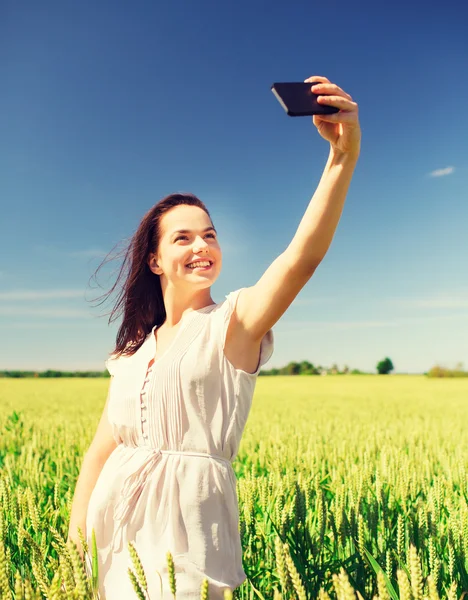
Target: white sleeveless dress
169 485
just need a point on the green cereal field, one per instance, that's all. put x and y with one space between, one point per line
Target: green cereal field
349 487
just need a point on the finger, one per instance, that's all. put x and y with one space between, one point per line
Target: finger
338 101
339 117
316 78
326 88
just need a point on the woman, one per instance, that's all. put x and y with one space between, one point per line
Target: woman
159 470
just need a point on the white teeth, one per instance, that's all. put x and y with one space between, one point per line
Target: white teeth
198 264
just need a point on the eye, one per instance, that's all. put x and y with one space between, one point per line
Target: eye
181 237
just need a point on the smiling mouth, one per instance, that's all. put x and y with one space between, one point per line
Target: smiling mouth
204 268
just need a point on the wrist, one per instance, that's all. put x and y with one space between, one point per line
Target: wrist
337 157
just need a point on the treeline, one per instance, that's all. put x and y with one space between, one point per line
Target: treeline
294 368
383 367
306 368
53 373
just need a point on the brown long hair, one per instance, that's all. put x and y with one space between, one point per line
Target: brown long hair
140 298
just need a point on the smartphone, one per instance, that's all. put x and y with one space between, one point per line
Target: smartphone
298 100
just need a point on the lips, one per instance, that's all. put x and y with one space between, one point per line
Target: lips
197 261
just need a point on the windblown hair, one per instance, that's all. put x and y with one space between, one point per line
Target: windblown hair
140 297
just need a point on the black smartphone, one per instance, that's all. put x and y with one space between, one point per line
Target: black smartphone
298 100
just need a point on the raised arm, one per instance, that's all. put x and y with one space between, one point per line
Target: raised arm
260 306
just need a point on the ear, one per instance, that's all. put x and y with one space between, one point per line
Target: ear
153 265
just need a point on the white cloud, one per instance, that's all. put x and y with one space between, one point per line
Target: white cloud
84 253
397 322
49 313
49 323
445 300
308 301
18 295
442 172
90 253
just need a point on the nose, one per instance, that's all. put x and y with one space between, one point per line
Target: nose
200 243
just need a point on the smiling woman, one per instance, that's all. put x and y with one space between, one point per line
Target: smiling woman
169 484
178 403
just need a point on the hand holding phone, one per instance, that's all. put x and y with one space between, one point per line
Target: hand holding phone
298 99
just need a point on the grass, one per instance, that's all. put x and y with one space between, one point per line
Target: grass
343 482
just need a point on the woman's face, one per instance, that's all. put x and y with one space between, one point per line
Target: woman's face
177 250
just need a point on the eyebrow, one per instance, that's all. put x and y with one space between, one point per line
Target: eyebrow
190 231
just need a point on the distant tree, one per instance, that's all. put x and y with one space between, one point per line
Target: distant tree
293 368
306 368
385 366
441 371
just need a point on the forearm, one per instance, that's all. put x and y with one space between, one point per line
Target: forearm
317 227
89 473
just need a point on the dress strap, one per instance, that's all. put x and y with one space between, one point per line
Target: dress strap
204 454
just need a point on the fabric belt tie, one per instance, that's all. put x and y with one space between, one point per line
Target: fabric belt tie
134 484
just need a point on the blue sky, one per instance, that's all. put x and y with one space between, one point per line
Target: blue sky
107 107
